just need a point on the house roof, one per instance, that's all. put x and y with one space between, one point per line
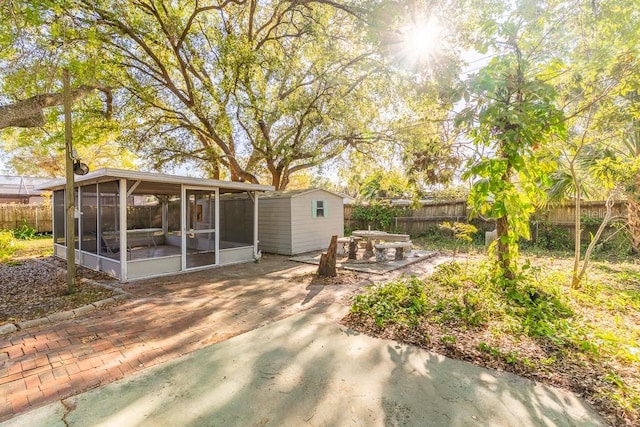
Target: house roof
20 185
291 194
108 174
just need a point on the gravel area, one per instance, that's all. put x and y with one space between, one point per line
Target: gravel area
34 288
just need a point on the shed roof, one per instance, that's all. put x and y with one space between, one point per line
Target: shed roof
291 194
107 174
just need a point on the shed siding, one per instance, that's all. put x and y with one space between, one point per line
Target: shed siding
312 234
274 225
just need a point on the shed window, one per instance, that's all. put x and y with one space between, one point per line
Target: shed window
320 209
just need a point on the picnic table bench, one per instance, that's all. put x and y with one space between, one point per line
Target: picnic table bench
374 238
402 250
393 237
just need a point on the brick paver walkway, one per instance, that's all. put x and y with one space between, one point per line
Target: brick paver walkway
165 318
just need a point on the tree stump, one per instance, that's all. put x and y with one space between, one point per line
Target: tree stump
327 267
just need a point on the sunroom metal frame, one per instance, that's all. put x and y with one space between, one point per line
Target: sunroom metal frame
124 266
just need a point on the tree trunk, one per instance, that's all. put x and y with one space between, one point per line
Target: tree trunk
504 258
284 180
327 267
577 222
275 177
633 220
502 234
575 283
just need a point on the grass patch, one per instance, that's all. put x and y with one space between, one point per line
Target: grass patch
40 246
401 302
586 340
7 245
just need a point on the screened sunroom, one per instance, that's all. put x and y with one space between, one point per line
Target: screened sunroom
135 225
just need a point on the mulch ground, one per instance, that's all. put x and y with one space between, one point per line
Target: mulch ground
34 288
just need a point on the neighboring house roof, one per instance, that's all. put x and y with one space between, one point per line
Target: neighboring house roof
102 175
291 194
22 186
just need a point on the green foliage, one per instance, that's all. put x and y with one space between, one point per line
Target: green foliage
589 221
39 247
7 245
460 300
551 237
454 295
245 93
386 184
512 112
461 230
401 302
450 192
25 232
616 244
379 214
511 357
435 237
593 326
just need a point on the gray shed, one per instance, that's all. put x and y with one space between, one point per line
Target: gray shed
298 221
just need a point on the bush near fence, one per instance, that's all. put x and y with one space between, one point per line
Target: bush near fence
554 220
38 217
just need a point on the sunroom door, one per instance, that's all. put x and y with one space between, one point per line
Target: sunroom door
200 237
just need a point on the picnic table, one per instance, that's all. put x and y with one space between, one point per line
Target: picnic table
369 235
400 242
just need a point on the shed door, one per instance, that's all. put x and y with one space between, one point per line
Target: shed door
200 241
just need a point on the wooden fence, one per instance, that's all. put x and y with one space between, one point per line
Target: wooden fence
36 216
418 220
565 214
411 221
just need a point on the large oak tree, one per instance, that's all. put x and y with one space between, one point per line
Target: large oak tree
250 91
247 89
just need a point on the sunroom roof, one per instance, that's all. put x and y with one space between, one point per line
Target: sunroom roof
108 174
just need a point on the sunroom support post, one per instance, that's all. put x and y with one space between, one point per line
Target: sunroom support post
255 225
122 196
183 227
216 207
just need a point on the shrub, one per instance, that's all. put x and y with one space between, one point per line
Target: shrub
378 214
6 244
25 232
552 237
402 301
465 295
532 306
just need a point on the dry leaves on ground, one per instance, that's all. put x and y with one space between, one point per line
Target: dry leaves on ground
31 289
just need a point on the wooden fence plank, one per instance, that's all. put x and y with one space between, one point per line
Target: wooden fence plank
39 217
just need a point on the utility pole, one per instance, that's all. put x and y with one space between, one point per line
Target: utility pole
69 190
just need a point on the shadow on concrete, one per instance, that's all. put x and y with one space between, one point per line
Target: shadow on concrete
309 370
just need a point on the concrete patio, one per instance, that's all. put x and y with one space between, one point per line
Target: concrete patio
164 319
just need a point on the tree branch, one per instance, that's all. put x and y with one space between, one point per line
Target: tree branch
29 112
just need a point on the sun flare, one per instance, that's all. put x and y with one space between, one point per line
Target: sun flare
421 40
